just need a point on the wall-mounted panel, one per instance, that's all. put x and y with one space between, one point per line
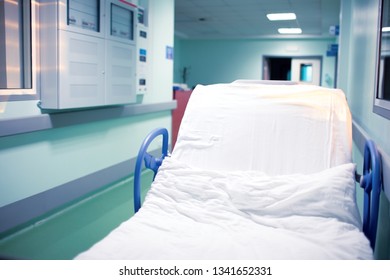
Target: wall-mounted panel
89 52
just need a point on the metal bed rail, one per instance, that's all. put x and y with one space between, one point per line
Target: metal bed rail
149 160
371 182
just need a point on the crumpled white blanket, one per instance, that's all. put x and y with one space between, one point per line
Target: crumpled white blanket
191 213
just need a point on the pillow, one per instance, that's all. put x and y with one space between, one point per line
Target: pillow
328 194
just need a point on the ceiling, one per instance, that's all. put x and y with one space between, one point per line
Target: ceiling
217 19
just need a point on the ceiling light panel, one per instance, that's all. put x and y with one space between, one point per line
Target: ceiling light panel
290 31
282 16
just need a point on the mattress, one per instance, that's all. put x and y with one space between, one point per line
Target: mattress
195 213
275 128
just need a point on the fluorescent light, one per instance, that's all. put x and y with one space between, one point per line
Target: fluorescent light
281 16
386 29
290 30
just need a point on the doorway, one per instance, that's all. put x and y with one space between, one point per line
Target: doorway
305 70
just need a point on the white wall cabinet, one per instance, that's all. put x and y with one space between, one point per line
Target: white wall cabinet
88 54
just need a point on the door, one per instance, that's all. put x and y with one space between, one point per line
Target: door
306 70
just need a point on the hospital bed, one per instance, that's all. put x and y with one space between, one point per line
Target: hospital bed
260 170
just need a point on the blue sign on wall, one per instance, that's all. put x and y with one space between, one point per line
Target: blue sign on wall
333 50
169 53
334 30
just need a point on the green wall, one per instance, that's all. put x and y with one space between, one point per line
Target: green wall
35 162
223 61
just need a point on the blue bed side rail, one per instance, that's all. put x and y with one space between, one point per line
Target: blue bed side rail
150 161
371 182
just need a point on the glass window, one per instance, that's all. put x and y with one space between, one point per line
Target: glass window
122 22
15 45
382 95
84 14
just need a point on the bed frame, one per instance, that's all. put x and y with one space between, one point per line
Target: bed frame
370 180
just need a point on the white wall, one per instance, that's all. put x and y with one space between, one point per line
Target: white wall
161 30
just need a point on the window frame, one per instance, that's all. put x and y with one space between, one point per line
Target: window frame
21 94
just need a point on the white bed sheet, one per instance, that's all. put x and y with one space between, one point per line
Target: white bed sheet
193 213
278 129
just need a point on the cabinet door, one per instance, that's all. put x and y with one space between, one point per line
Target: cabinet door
120 73
81 70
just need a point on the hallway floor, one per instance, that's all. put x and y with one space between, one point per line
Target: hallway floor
64 234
